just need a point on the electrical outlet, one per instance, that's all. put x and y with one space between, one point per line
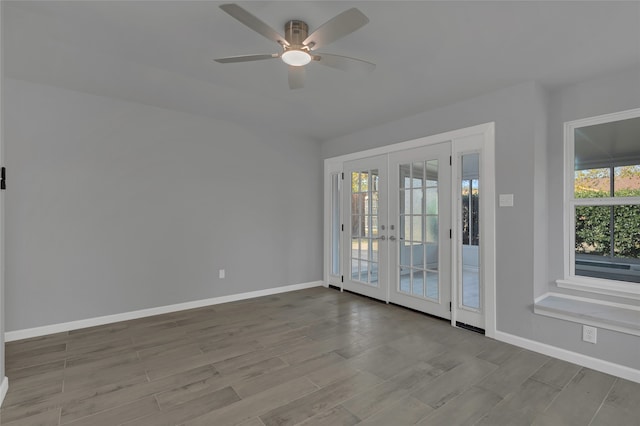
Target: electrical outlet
221 274
589 334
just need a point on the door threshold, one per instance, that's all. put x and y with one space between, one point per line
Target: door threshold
420 312
470 327
401 306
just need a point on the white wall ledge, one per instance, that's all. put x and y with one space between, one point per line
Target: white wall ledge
613 316
601 286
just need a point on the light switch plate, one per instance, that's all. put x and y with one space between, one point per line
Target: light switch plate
506 200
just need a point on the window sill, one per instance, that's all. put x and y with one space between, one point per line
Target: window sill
600 286
608 315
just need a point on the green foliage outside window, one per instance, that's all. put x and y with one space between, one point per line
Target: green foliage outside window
594 223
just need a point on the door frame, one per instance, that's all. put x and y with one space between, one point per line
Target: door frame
485 134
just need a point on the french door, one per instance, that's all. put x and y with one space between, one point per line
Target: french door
420 200
397 214
365 225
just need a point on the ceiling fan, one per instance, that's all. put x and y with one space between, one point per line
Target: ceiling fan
298 46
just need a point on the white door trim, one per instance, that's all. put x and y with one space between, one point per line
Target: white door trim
488 208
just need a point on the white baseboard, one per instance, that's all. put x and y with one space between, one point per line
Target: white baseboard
10 336
4 387
573 357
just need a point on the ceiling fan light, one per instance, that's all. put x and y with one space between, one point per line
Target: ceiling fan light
296 58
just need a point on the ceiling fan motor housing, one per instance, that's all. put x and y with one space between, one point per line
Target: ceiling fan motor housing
295 32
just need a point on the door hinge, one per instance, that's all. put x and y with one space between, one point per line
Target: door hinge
3 178
342 175
342 227
450 234
450 161
341 278
449 306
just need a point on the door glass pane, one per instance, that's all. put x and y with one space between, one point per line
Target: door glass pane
405 279
405 171
355 226
364 226
357 203
432 256
416 229
432 229
355 248
404 203
374 226
405 228
417 287
417 259
432 290
432 173
367 226
405 253
364 269
432 200
470 231
355 269
364 248
417 173
373 266
418 251
364 182
416 201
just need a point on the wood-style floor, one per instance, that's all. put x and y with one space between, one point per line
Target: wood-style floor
312 357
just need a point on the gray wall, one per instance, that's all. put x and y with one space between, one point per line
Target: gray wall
523 156
2 258
117 206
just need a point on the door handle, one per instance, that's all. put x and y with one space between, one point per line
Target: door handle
392 238
381 237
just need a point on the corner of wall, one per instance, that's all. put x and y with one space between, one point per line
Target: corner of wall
540 195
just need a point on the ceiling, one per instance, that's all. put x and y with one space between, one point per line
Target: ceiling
428 54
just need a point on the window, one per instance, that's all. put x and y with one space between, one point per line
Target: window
603 202
470 208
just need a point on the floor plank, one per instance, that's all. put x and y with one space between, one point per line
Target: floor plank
310 357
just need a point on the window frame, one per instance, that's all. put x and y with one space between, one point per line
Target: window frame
571 280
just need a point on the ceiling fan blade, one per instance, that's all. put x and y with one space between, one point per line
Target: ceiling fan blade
338 27
254 23
296 77
344 63
246 58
